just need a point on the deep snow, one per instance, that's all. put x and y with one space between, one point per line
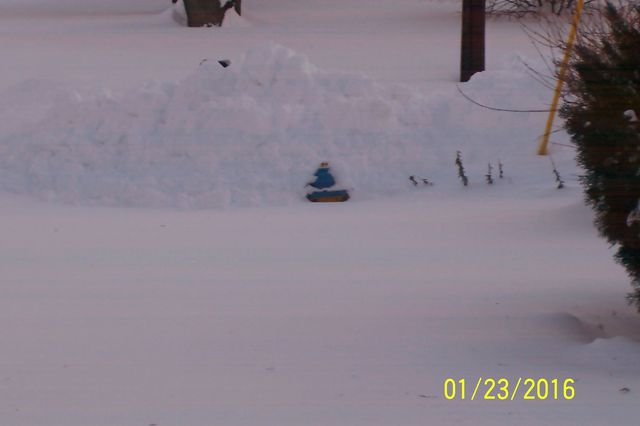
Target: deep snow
325 315
251 134
221 297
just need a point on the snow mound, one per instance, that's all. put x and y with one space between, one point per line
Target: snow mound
617 353
66 7
233 20
178 13
29 102
566 326
252 134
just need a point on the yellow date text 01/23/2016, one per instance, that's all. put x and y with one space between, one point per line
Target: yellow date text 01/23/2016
522 388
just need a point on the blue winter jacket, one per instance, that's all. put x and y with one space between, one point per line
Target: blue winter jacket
324 179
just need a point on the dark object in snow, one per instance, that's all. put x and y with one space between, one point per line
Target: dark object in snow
500 170
413 180
625 390
559 180
472 48
325 180
223 62
206 13
489 176
328 196
461 174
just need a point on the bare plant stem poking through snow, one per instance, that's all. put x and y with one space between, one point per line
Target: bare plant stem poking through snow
461 174
489 176
556 173
414 180
558 179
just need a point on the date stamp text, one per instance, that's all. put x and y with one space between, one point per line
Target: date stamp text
503 389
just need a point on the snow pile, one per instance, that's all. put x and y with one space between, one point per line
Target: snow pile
252 134
178 13
28 103
70 7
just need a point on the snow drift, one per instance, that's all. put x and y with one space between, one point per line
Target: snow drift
70 7
252 133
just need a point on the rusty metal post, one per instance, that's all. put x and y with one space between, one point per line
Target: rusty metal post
473 35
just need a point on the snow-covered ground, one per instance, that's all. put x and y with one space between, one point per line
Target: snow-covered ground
160 265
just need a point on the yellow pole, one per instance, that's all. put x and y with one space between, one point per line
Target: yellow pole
544 141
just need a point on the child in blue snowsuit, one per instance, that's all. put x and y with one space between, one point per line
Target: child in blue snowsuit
324 178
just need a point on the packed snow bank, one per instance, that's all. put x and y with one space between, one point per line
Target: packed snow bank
70 7
252 134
